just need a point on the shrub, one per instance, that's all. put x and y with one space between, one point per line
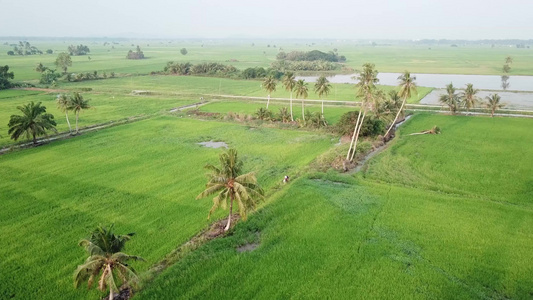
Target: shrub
371 125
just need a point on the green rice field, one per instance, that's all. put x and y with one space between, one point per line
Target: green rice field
429 229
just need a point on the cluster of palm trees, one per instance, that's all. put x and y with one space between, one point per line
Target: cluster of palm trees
468 99
35 122
74 103
322 88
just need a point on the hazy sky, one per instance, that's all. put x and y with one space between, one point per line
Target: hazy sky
345 19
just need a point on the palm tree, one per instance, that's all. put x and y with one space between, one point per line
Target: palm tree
469 96
493 103
407 88
367 78
106 261
322 87
289 82
77 104
508 60
63 104
269 84
33 122
301 91
284 115
228 183
450 98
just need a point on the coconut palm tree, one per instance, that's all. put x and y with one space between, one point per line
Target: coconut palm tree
63 104
33 122
289 82
493 103
450 98
301 91
407 88
269 84
366 87
106 261
228 183
77 104
508 60
469 96
322 87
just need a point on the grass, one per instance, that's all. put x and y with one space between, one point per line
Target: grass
482 60
454 229
142 176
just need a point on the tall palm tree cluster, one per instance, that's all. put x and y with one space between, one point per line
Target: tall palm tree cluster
468 99
74 103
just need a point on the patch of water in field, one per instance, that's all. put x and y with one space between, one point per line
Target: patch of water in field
523 101
215 145
485 82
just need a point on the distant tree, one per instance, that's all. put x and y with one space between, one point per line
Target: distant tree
228 183
78 50
289 82
450 98
322 87
5 76
138 54
508 60
77 104
407 88
40 68
506 68
505 82
63 61
269 84
301 91
49 76
469 98
63 104
49 51
493 103
106 258
10 53
33 122
183 51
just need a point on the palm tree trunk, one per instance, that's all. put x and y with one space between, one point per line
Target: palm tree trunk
292 118
111 296
34 138
353 136
322 108
77 116
230 212
68 122
396 118
268 101
303 113
357 135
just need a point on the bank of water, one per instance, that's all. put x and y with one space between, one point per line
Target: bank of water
519 101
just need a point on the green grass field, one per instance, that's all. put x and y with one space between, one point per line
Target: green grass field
435 216
482 60
142 176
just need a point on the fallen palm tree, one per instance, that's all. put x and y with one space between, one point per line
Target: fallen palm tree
434 130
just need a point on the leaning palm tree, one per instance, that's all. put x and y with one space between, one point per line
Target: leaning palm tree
33 122
269 84
493 103
63 104
106 261
228 183
407 88
301 91
469 96
368 78
322 87
289 82
77 104
450 98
